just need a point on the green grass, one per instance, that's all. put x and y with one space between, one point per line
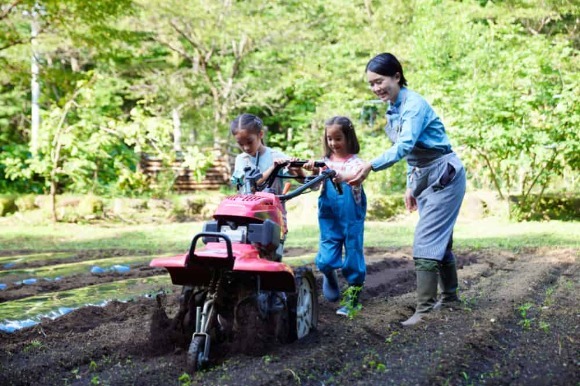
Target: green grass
176 237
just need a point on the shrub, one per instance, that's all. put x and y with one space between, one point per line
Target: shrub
385 206
548 207
26 202
7 205
90 205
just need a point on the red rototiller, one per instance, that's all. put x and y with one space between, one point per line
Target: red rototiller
232 279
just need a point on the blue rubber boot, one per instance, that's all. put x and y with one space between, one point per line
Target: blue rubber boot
330 286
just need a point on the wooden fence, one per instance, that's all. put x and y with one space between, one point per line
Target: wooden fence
216 176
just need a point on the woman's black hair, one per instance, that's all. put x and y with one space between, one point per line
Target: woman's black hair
387 65
347 128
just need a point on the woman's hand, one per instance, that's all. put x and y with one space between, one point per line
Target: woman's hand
410 201
361 174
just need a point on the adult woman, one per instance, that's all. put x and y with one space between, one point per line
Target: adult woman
435 180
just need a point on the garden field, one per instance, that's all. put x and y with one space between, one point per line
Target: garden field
78 307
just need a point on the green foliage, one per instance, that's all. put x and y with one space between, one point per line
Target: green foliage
197 161
90 205
545 207
25 202
184 379
523 310
7 205
350 301
501 74
385 206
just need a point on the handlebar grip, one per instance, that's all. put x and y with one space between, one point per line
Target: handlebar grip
318 164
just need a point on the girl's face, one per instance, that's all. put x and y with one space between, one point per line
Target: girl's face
250 143
385 87
336 141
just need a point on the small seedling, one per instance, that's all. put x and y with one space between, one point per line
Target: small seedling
544 326
352 292
184 379
267 359
95 380
35 344
93 366
381 367
523 310
389 339
468 302
75 372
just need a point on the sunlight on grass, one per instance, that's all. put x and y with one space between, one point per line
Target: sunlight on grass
176 237
153 237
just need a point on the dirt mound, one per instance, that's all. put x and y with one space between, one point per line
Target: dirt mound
518 326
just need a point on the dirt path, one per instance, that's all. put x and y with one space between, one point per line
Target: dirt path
519 326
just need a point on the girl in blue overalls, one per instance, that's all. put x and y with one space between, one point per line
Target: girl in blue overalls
341 216
435 181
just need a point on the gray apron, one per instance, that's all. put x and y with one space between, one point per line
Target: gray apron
438 187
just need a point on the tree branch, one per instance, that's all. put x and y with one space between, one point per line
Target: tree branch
493 175
9 9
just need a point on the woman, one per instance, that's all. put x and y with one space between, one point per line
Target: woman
435 181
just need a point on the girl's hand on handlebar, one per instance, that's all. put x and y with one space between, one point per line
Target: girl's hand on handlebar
361 174
338 178
309 165
295 170
281 161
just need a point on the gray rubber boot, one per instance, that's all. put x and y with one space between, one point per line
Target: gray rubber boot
427 278
330 288
449 285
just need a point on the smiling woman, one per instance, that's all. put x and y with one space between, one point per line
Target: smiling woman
435 180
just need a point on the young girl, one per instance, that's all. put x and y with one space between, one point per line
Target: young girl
248 131
341 216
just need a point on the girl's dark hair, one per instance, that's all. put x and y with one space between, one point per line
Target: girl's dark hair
347 128
387 65
248 122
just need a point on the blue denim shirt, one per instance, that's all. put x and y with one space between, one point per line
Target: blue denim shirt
415 130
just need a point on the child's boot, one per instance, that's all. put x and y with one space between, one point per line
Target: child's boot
330 287
351 301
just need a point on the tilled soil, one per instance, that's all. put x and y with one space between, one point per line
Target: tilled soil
518 326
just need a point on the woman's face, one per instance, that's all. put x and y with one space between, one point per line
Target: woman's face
250 143
385 87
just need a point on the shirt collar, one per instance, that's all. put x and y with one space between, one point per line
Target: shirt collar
394 107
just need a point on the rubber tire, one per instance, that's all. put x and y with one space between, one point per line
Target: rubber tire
194 360
191 297
305 287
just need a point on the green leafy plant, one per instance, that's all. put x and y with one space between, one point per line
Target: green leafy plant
33 345
184 379
349 300
267 359
545 326
523 311
391 336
